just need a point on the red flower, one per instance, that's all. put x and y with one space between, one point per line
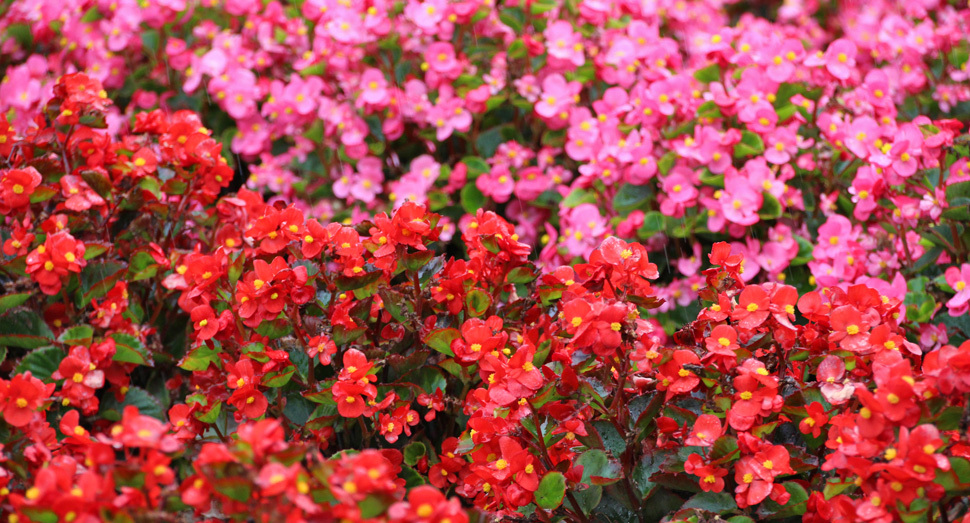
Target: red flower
205 323
16 186
753 307
249 401
674 378
22 396
50 264
712 478
814 421
705 431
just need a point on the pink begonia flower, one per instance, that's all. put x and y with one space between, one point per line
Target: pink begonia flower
409 188
373 88
861 135
679 191
527 219
906 150
932 337
236 92
781 145
934 203
528 87
252 138
426 15
740 204
583 229
832 382
565 46
343 182
497 184
689 265
583 135
19 90
273 177
756 173
368 180
876 89
533 181
557 96
512 154
840 58
866 189
782 65
449 114
440 57
959 280
425 167
629 226
833 236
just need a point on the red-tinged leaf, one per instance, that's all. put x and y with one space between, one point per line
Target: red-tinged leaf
440 340
477 302
43 193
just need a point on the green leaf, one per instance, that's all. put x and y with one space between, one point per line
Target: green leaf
750 145
711 73
24 329
10 301
414 452
577 197
958 190
522 274
440 340
77 335
477 166
795 506
709 109
653 223
598 469
96 280
472 199
212 415
41 363
551 491
667 162
42 194
770 207
513 17
716 502
199 358
129 349
477 301
111 409
631 197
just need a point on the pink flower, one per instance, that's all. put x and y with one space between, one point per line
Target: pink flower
532 182
840 58
781 66
565 46
425 168
866 189
557 96
959 280
426 15
740 204
861 135
367 182
497 184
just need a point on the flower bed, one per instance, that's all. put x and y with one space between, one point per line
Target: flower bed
450 261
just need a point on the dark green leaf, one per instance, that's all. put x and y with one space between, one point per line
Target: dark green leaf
41 363
24 329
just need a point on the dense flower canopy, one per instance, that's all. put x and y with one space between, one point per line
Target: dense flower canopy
453 261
